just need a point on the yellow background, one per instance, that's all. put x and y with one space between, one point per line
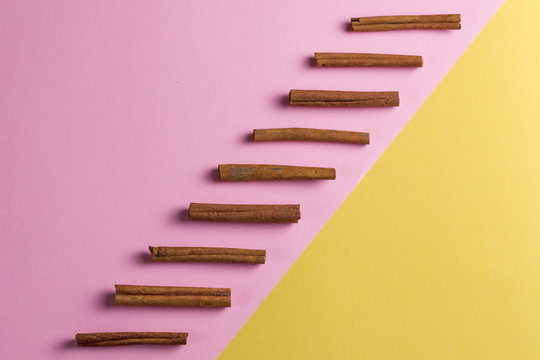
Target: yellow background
436 253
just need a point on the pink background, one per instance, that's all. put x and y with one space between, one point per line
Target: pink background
113 115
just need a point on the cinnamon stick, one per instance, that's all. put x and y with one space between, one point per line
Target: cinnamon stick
407 22
207 254
247 172
304 134
245 213
329 98
366 60
172 296
131 338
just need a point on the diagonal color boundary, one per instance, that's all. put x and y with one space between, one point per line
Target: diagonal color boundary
434 254
98 142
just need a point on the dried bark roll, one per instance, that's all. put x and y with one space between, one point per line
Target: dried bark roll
330 98
250 172
207 254
131 338
407 22
303 134
245 213
366 60
172 296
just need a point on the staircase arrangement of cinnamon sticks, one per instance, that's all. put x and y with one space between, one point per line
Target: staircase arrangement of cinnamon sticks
407 22
366 60
244 213
207 254
246 172
332 98
172 296
137 295
131 338
302 134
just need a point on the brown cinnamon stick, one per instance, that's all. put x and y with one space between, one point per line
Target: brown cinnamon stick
407 22
303 134
131 338
207 254
172 296
330 98
244 213
248 172
366 60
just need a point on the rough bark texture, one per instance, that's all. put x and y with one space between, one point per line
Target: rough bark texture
170 290
131 338
330 98
407 22
245 213
303 134
252 172
207 254
172 296
366 60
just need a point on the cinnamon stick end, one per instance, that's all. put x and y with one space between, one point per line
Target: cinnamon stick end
220 173
191 212
317 61
153 252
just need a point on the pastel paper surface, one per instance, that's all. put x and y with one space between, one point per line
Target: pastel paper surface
113 116
444 262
